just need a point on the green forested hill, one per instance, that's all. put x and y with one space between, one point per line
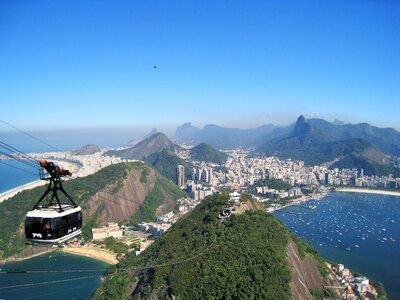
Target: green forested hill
370 167
205 152
13 210
202 257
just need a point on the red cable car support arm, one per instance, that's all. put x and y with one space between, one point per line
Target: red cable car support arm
55 183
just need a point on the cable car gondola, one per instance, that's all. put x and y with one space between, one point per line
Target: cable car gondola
54 222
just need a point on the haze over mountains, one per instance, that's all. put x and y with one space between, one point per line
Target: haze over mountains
220 137
314 141
385 139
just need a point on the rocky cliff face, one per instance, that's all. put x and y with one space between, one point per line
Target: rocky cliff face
121 200
305 275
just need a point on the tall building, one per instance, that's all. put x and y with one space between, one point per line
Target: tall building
204 175
210 175
180 175
193 174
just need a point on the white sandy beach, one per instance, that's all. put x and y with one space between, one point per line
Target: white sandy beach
28 186
368 191
93 252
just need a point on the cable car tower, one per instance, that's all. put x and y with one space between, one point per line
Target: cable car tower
54 175
53 222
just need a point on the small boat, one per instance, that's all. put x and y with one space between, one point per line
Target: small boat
16 271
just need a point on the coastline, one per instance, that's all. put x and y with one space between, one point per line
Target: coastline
345 190
17 259
73 167
368 191
88 251
93 252
10 193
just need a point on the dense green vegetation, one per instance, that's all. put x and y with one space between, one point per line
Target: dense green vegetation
316 151
278 184
370 167
114 245
13 210
162 188
202 257
382 295
166 162
205 152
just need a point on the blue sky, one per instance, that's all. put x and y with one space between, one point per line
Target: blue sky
73 64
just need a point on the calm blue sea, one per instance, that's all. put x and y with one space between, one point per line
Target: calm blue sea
361 231
11 175
52 276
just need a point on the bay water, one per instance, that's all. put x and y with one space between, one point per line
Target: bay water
51 276
361 231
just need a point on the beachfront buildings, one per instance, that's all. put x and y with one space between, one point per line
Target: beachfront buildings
110 230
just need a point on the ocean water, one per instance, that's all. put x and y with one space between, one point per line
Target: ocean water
15 174
51 276
361 231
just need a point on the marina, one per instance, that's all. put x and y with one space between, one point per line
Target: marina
358 230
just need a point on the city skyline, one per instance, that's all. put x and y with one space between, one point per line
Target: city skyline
234 64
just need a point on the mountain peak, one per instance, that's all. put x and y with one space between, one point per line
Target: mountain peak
301 119
154 143
87 150
138 140
302 128
338 122
205 152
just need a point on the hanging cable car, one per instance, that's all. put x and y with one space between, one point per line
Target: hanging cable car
53 222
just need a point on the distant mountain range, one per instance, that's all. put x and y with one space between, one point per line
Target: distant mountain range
220 137
386 140
315 141
315 146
